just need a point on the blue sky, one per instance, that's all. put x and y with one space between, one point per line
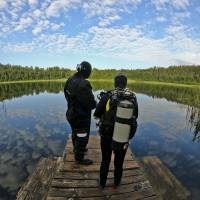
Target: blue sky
107 33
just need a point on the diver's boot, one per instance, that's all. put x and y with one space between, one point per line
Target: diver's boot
84 162
85 150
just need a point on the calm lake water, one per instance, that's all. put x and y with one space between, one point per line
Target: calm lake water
33 125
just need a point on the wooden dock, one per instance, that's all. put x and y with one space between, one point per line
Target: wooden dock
67 180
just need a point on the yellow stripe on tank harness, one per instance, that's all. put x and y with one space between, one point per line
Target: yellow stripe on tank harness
108 105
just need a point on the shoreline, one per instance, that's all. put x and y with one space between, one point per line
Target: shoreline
189 85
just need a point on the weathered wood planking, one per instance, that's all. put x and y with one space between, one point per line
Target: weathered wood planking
93 175
64 179
37 185
164 182
73 181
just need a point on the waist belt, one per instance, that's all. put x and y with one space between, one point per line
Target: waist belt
124 120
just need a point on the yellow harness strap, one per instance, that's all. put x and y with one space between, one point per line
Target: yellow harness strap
108 105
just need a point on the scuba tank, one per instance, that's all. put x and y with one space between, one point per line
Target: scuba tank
123 120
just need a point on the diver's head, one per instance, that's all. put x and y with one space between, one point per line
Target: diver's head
84 68
120 81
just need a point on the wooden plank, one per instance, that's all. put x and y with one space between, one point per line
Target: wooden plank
93 140
94 143
94 151
95 157
67 183
164 182
72 181
71 166
97 192
89 146
38 183
134 196
93 175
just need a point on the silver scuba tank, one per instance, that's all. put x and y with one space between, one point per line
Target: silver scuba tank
122 127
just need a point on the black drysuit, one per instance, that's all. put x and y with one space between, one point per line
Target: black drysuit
107 144
78 93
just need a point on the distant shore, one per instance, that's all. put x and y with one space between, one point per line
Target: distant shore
110 81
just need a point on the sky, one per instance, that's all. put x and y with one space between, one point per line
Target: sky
107 33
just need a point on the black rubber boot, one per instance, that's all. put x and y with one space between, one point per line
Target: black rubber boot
84 162
85 150
102 185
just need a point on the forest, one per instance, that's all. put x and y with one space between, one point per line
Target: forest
174 74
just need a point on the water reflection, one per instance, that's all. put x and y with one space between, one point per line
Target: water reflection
185 95
193 116
9 91
33 126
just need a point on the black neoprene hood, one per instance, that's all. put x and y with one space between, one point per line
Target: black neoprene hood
120 80
85 69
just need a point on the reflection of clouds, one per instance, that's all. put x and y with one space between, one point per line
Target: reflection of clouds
21 112
170 160
167 136
150 109
37 127
30 130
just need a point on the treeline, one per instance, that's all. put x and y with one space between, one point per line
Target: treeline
16 73
174 74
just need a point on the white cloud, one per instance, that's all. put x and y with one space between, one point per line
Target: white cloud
108 11
5 29
159 3
108 7
176 30
61 43
125 43
57 6
98 8
17 4
179 4
23 23
113 38
56 27
19 47
37 13
161 19
3 4
33 3
108 20
182 15
37 30
131 44
41 25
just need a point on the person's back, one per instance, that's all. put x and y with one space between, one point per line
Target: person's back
78 93
113 126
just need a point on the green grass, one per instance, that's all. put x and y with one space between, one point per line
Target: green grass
33 81
150 82
109 81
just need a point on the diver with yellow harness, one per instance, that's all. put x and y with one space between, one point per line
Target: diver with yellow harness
117 113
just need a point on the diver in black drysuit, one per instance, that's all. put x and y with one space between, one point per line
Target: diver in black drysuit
106 127
78 93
